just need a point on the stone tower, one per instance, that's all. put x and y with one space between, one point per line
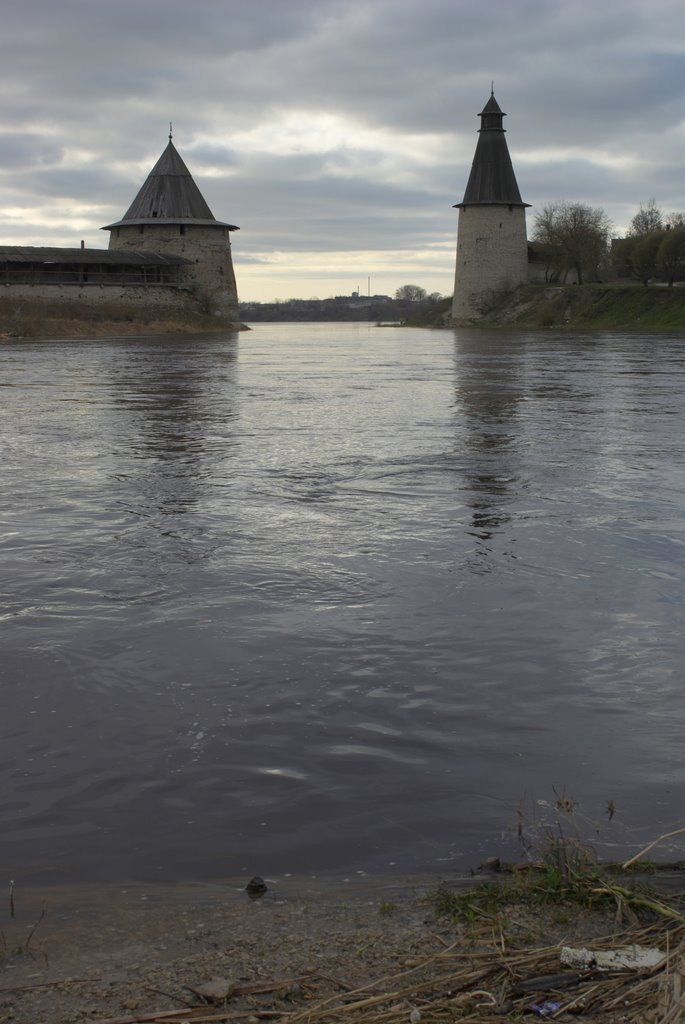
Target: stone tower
169 216
492 249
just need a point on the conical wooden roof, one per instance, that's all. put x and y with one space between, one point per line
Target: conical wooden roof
169 196
492 180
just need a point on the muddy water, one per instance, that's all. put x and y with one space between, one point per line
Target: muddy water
334 598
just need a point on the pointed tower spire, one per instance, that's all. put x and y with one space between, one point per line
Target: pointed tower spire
492 178
169 194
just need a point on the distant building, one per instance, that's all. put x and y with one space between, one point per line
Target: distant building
168 251
492 248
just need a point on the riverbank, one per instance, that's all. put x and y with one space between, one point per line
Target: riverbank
593 306
603 307
372 950
46 320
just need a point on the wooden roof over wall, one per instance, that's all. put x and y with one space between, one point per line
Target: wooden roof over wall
115 257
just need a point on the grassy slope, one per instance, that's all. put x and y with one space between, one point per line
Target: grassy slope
598 306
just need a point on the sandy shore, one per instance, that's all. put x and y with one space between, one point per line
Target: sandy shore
125 952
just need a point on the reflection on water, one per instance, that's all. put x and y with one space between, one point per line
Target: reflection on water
487 396
162 416
335 598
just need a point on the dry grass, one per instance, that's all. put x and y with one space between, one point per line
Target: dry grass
475 986
458 985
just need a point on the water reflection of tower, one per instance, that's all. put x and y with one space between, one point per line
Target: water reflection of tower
488 391
176 412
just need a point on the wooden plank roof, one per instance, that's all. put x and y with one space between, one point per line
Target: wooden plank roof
115 257
492 180
169 196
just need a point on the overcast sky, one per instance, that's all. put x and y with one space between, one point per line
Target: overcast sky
337 133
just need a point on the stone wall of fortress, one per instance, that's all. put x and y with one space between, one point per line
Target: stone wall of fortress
151 297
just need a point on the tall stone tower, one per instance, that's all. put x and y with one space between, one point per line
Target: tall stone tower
169 216
492 249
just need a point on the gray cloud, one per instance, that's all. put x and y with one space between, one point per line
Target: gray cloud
333 125
19 151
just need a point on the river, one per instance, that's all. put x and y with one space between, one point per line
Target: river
334 598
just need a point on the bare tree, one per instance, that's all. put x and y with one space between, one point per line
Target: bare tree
577 236
643 256
637 255
648 218
410 293
676 219
670 256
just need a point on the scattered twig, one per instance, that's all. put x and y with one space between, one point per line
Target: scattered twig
11 897
268 986
206 1014
49 984
170 995
547 982
636 900
579 1001
196 1015
33 929
666 835
143 1018
334 981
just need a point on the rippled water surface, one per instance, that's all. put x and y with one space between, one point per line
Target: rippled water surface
334 598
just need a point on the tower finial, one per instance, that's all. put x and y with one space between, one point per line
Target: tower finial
492 88
171 131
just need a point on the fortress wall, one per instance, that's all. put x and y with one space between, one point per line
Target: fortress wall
208 247
151 297
492 257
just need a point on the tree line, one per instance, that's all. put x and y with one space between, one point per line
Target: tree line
575 240
654 246
410 300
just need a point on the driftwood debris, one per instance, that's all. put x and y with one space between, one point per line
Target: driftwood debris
459 983
655 842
